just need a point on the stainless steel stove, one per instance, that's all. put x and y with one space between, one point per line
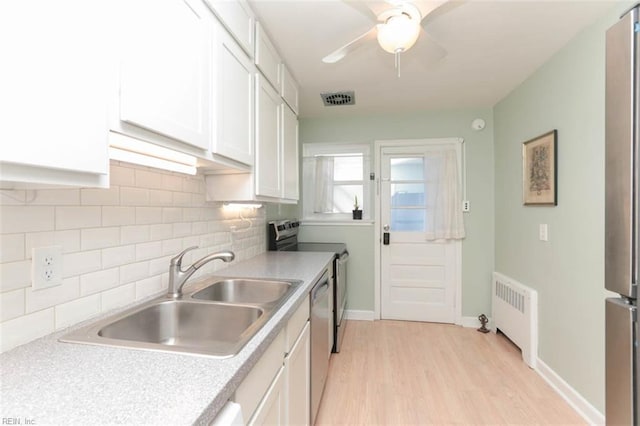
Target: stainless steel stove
283 236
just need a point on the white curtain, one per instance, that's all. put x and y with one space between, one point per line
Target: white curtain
323 188
444 196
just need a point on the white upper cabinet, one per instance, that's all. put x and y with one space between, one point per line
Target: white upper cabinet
290 158
239 19
268 155
165 74
53 93
288 88
267 57
234 99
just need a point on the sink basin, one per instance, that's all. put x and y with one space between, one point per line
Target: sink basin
178 326
217 317
235 290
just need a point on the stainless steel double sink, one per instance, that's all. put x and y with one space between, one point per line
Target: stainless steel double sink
217 317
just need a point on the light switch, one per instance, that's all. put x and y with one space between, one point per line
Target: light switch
544 232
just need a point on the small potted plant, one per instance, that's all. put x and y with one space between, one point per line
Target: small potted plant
357 213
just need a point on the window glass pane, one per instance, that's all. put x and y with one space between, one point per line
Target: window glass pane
347 168
407 219
407 168
407 194
343 198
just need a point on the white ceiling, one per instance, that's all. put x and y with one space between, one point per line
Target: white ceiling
492 46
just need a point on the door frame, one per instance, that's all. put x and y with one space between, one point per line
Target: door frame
377 237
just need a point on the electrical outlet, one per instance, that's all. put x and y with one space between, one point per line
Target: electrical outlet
466 206
46 267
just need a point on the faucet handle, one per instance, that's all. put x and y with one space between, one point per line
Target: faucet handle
177 260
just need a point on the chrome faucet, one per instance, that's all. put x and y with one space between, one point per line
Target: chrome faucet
177 277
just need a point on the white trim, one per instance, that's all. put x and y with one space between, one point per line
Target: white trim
336 223
377 237
357 315
473 322
570 395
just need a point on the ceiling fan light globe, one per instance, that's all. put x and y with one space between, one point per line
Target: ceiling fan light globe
398 34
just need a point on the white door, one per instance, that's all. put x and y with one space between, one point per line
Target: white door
419 278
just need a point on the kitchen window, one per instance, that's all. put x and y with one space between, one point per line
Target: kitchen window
333 176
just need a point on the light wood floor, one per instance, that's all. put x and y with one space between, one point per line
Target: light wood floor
398 372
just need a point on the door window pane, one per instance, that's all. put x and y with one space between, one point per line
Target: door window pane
407 194
408 219
407 168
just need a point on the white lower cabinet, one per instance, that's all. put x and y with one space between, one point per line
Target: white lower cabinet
277 389
297 366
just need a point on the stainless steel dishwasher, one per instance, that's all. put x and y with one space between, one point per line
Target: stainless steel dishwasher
320 340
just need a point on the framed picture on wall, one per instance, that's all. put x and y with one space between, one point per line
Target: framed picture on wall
539 170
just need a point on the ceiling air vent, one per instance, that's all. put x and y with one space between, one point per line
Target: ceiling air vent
339 98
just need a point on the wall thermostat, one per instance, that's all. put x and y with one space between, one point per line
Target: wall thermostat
478 124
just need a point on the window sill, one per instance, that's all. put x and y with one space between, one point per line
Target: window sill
351 222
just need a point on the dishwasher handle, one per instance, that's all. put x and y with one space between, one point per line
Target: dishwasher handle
320 287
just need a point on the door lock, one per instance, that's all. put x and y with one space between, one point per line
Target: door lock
385 238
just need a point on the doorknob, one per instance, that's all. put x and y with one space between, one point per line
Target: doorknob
386 228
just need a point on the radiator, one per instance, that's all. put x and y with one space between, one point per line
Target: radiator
515 313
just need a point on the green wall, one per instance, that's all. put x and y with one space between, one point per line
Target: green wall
477 248
566 94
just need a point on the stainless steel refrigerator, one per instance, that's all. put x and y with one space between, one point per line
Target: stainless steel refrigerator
621 220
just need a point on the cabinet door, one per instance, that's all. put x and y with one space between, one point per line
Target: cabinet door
289 154
53 91
165 79
271 409
298 370
238 18
268 153
267 58
235 104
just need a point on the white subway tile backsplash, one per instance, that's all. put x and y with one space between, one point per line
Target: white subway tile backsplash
118 216
134 234
117 297
78 217
78 310
69 240
149 287
117 256
181 229
134 196
148 179
37 300
181 199
121 176
148 215
159 197
117 244
81 263
100 197
11 304
150 250
26 328
99 281
16 219
56 197
14 275
12 247
94 238
134 272
171 215
161 231
172 182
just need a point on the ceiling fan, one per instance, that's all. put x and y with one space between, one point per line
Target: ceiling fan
397 30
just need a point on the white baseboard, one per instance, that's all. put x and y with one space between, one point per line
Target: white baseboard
352 314
473 322
569 394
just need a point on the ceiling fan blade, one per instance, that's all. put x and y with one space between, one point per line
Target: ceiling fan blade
349 47
362 7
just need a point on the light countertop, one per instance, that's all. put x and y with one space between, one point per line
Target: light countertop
49 382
